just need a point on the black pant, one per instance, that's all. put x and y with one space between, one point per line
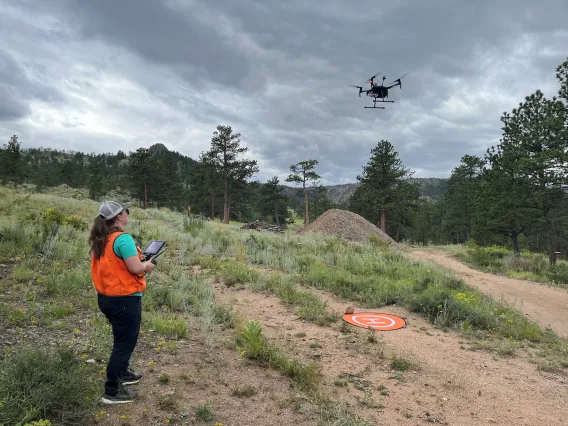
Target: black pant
124 314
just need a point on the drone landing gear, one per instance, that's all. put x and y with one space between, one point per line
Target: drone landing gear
375 104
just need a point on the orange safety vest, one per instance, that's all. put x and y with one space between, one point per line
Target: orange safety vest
110 274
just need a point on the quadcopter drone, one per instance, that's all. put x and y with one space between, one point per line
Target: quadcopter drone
377 91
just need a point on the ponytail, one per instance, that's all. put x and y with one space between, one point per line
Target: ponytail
99 231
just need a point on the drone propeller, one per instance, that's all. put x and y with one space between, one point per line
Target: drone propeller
398 80
376 75
358 87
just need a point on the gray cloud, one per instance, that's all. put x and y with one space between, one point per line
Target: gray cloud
120 75
17 89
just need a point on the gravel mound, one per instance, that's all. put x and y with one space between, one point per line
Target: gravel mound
346 224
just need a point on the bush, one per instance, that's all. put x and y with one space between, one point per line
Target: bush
485 257
53 215
38 384
76 223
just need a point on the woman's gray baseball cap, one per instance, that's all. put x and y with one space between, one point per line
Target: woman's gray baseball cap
110 209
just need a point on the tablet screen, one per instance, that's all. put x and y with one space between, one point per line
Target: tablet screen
154 247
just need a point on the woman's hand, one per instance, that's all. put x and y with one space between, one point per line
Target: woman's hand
148 266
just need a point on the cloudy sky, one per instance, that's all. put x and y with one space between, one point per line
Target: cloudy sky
103 75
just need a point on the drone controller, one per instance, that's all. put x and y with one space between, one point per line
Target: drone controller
154 249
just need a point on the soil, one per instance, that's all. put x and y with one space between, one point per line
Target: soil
541 303
447 384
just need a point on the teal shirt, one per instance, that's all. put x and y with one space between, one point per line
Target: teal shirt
124 247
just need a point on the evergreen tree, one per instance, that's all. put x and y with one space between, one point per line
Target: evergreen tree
562 76
533 158
225 148
141 169
303 172
405 204
425 224
320 200
382 186
68 173
205 188
165 186
95 182
462 197
11 164
274 202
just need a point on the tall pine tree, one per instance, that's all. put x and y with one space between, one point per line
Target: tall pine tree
11 164
223 154
383 187
462 197
303 172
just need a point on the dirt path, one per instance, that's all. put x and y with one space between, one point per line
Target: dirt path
545 305
448 383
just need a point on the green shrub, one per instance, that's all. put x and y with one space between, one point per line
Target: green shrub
483 257
45 384
379 242
193 224
250 341
76 223
558 273
238 273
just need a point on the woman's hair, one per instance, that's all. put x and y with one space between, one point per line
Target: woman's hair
99 231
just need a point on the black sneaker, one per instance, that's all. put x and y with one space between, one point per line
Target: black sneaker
122 397
130 378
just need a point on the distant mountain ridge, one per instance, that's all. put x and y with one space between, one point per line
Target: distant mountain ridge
433 188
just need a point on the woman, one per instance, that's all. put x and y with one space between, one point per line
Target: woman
118 275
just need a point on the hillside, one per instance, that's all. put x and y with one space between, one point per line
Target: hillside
433 188
48 167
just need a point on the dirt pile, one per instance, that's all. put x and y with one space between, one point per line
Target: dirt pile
346 224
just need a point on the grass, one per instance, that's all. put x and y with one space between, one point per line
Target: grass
49 384
49 286
252 344
371 275
45 244
501 260
375 277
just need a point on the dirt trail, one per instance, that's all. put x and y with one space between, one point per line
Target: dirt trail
545 305
449 384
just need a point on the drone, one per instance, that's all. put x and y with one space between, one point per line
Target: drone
377 91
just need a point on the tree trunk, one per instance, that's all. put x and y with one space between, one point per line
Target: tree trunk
229 209
316 207
553 246
225 201
551 256
276 215
145 195
306 214
515 238
383 220
213 207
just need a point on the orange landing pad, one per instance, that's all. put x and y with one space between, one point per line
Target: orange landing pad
374 320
